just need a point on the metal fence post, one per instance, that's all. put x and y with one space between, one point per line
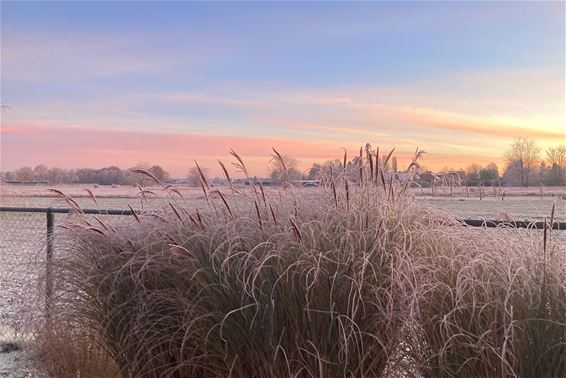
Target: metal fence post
48 263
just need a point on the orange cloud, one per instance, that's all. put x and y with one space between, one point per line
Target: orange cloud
550 129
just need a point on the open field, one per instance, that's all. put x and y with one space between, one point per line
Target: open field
107 197
516 207
518 203
489 191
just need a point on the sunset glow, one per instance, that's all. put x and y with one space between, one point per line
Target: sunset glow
98 84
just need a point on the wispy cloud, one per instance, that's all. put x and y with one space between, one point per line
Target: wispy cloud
308 123
87 147
64 58
199 98
340 130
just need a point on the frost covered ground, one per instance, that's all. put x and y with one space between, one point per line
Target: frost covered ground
15 356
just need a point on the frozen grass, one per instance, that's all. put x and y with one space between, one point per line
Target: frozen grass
350 279
490 304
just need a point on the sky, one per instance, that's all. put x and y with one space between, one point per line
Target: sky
93 84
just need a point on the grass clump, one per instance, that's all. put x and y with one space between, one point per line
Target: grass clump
350 279
489 306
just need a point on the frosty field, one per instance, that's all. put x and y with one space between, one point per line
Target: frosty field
519 203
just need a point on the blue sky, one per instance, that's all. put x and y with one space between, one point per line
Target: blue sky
459 79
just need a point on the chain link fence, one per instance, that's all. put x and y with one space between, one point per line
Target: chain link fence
27 239
23 241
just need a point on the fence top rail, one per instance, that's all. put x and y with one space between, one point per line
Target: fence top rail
56 210
539 225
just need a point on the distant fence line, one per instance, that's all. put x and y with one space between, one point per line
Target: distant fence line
50 211
57 210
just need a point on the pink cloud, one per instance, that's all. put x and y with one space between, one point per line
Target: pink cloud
20 130
87 147
71 147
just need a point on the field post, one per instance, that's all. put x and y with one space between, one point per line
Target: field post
48 264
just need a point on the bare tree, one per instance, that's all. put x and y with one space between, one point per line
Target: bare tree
525 153
24 174
194 177
284 169
557 155
322 171
41 172
159 172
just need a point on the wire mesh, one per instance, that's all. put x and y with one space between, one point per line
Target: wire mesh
23 263
22 256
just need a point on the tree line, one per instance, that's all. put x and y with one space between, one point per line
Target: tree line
525 164
104 176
